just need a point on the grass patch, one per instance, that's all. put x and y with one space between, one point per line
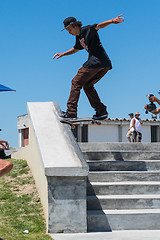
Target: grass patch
20 207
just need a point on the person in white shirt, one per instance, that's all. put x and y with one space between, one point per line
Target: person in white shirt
137 125
130 129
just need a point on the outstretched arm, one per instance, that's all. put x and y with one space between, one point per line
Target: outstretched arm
69 52
156 111
116 20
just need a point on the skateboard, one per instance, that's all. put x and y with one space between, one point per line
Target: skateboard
73 122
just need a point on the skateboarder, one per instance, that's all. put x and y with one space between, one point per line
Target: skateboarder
93 69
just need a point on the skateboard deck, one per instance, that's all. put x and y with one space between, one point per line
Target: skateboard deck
73 122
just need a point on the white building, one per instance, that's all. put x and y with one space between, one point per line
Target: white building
109 130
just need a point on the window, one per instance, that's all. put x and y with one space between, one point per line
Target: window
25 137
154 134
85 133
80 133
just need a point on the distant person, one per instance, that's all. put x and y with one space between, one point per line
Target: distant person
154 99
5 166
130 129
97 65
4 144
137 125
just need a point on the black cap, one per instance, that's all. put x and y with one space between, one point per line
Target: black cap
68 21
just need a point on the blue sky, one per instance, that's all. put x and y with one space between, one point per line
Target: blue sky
30 34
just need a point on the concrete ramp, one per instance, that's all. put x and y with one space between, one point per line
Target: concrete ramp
58 167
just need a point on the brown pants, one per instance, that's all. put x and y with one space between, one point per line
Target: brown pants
86 78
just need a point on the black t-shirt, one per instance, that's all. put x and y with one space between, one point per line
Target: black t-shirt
89 40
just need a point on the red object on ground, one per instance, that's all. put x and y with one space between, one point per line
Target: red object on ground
5 167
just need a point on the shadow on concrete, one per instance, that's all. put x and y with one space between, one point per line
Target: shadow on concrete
98 222
117 165
117 156
98 216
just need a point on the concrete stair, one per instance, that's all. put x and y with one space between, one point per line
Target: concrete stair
123 190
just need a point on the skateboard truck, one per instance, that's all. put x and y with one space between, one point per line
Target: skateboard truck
69 123
72 122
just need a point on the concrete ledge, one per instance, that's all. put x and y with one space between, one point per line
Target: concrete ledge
58 167
61 155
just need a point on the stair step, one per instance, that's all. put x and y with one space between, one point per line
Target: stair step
118 176
132 165
123 189
122 155
128 160
109 220
99 146
100 202
118 188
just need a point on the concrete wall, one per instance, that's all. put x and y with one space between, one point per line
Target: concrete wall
124 132
32 155
102 133
146 133
113 132
58 167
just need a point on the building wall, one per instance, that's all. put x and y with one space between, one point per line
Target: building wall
103 133
146 133
111 133
111 130
124 132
